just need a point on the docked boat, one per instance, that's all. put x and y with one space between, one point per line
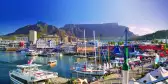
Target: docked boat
46 54
42 55
52 63
58 54
87 68
51 54
30 74
31 53
80 56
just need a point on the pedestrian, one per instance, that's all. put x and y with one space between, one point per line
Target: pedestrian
138 71
120 70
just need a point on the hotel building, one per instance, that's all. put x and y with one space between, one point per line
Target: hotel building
32 36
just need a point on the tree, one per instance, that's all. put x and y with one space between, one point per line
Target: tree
120 43
39 34
161 42
109 43
155 41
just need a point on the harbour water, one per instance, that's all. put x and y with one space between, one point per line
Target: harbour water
9 60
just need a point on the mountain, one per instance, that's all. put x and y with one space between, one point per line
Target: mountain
156 35
103 30
40 27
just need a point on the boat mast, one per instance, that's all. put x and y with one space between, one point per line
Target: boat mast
100 50
166 39
85 46
125 69
94 45
108 53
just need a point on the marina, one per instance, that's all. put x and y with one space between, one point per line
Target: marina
89 61
83 42
9 61
68 67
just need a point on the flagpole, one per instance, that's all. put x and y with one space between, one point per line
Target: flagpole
125 69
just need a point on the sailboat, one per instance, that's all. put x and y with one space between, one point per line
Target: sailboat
88 69
83 56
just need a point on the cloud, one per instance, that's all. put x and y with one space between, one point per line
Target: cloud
141 30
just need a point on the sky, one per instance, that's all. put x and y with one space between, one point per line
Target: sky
141 16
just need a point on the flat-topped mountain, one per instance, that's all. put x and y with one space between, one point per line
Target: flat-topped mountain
104 30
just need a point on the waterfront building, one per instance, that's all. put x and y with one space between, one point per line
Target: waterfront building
11 45
4 43
162 40
68 48
32 36
22 38
41 43
55 38
80 47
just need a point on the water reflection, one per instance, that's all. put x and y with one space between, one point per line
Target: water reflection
10 57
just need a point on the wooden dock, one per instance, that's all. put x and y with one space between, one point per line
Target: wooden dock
58 80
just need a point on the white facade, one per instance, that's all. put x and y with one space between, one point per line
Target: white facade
10 44
45 44
25 39
163 40
33 36
5 43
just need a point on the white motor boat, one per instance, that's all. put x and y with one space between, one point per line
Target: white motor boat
58 54
51 54
31 53
30 74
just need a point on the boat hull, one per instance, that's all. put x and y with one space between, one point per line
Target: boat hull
94 73
31 55
52 64
14 81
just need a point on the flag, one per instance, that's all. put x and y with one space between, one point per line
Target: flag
30 61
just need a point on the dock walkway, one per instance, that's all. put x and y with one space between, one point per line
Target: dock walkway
58 80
